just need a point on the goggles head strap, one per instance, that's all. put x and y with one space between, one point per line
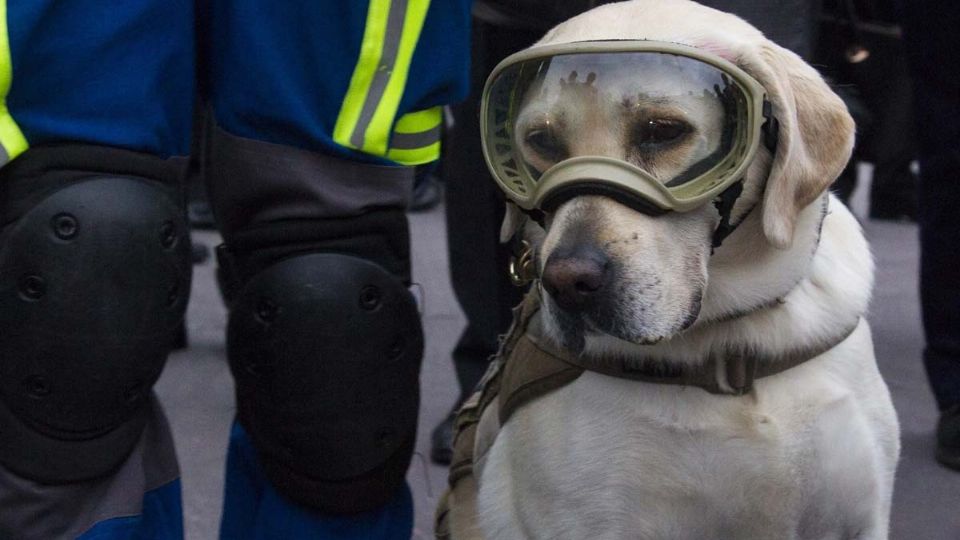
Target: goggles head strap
724 202
770 127
563 194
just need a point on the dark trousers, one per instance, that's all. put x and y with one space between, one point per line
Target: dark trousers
478 263
930 31
882 105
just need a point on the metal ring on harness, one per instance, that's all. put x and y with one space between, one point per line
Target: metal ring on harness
521 269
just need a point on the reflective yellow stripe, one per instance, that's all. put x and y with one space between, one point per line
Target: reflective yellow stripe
370 106
11 138
378 133
416 156
367 64
416 137
419 121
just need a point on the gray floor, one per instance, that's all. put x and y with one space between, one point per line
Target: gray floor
196 388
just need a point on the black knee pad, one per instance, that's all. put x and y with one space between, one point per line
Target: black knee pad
326 351
94 280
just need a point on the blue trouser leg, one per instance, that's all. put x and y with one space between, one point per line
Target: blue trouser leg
930 33
253 510
160 518
139 500
160 510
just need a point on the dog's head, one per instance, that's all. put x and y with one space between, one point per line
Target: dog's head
610 270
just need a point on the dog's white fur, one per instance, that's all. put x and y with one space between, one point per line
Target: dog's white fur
811 453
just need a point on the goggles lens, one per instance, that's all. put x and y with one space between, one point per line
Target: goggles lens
683 122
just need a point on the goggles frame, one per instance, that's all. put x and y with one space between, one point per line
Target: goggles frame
602 174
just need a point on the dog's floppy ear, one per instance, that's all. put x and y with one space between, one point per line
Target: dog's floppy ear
513 221
815 137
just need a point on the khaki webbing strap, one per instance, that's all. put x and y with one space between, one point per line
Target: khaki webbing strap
468 417
465 425
730 373
441 519
530 373
12 141
461 464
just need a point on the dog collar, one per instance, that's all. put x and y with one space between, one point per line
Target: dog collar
730 371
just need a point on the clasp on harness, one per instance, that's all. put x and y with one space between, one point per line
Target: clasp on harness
741 372
521 267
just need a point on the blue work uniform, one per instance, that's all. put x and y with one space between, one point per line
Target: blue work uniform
362 80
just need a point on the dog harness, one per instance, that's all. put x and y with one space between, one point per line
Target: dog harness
529 366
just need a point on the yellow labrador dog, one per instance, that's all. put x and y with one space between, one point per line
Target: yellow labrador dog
810 452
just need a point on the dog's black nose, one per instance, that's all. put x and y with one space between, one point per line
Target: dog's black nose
573 278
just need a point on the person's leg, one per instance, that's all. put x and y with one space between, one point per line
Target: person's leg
260 511
94 263
316 104
893 193
932 42
889 141
140 498
475 207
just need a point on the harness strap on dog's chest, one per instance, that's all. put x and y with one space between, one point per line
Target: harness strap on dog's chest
529 373
487 390
518 373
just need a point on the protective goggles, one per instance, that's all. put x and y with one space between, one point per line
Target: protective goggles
658 125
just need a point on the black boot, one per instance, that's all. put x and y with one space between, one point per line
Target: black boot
948 438
441 439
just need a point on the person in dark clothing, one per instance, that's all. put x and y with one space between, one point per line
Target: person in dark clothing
862 49
930 31
475 206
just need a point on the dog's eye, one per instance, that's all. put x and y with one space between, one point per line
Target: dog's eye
660 131
545 143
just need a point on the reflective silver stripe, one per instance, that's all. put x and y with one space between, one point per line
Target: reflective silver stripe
4 156
411 141
388 57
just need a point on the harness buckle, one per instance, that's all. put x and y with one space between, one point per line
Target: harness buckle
741 371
